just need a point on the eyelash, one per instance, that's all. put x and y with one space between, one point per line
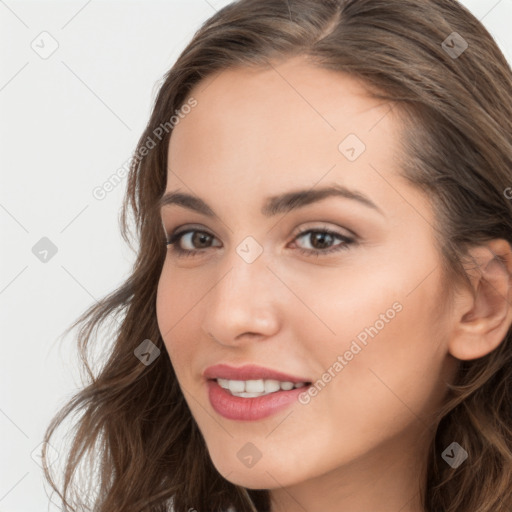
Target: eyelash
175 238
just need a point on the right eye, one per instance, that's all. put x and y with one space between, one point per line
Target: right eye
190 237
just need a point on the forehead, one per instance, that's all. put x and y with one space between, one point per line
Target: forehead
274 126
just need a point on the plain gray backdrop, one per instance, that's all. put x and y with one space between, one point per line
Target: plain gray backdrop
77 81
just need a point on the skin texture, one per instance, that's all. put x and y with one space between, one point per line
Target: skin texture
361 443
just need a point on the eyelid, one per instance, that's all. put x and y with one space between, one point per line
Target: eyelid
188 227
321 225
301 229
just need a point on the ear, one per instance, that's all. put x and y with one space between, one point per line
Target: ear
484 312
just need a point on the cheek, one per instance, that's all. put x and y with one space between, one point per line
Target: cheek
173 308
385 366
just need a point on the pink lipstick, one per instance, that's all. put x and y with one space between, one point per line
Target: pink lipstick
251 392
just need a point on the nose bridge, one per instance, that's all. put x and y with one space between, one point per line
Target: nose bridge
244 279
246 267
244 299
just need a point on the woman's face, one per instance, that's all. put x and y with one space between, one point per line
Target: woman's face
358 312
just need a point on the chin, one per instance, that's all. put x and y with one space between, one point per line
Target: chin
260 476
254 480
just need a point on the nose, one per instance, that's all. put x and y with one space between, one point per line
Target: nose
244 304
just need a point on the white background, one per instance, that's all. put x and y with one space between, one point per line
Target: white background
67 124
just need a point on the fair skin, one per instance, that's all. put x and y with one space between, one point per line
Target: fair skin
361 443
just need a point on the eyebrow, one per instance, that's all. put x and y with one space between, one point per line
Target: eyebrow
273 205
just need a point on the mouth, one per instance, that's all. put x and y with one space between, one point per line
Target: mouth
257 387
237 400
251 392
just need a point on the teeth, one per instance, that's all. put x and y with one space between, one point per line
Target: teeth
287 386
255 388
271 386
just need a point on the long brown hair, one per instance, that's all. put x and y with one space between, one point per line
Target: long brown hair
135 442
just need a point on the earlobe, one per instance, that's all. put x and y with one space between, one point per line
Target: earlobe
484 313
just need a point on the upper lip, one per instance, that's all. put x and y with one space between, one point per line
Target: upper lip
248 372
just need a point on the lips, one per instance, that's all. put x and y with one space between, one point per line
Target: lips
249 372
249 409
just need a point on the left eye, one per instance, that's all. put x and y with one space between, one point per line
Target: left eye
320 240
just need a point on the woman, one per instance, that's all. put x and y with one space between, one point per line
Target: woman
319 314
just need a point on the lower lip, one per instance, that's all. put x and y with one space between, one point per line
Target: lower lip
250 409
